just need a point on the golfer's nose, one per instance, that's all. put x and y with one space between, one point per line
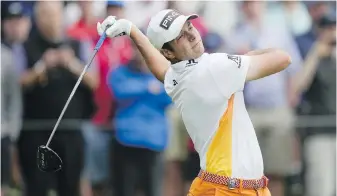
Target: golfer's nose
190 37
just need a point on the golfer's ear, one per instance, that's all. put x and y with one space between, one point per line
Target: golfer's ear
167 53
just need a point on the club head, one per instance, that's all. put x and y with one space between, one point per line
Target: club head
48 160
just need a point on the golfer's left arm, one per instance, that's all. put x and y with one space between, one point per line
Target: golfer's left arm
231 72
263 63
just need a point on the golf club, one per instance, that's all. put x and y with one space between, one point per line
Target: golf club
47 159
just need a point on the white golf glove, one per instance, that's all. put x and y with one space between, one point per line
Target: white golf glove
118 27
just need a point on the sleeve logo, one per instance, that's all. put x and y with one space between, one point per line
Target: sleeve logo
236 59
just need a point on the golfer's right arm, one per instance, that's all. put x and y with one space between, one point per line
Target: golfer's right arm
155 61
266 62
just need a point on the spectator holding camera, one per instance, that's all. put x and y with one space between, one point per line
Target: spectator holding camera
318 86
53 65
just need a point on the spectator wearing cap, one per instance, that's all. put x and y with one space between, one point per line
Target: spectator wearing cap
14 30
18 13
15 16
53 64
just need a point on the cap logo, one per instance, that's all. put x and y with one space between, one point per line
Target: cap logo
168 19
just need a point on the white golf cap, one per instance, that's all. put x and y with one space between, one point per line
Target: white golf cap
165 26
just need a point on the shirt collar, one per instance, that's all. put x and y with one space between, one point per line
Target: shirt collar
182 65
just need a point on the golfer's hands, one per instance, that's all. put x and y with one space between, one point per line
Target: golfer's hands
118 27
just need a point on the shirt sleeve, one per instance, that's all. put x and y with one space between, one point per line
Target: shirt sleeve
229 72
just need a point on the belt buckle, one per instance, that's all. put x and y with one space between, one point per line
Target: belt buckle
231 184
256 184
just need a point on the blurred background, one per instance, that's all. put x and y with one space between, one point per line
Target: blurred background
121 135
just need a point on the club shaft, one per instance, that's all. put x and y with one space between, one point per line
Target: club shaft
71 96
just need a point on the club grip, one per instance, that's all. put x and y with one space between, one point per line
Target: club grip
101 39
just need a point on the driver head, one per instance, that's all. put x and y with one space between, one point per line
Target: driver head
48 160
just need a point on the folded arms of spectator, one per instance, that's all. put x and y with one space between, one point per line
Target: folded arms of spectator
38 71
75 66
58 57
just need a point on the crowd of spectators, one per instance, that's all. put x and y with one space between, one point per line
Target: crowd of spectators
121 135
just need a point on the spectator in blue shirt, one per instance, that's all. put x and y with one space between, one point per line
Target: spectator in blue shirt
141 126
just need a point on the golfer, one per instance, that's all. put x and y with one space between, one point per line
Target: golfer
208 91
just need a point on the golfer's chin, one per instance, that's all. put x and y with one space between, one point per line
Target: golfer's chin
198 50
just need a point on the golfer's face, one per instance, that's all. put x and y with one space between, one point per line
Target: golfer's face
188 45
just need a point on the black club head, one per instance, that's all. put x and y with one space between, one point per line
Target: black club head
48 160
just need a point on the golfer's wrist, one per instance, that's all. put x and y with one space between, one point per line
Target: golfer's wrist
134 30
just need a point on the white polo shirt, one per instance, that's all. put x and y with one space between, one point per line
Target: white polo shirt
208 91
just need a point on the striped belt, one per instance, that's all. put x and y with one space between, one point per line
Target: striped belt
233 183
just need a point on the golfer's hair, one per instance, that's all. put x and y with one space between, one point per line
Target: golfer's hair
167 46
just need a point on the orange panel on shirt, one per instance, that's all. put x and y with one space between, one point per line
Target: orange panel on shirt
219 154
